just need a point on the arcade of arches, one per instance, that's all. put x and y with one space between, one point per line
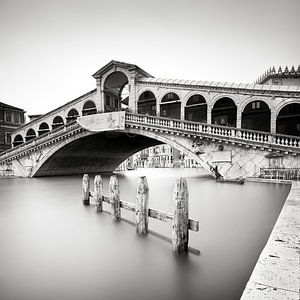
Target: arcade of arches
255 116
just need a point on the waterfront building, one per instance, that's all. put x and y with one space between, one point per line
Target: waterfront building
161 156
10 119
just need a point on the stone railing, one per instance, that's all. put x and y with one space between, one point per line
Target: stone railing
39 140
256 138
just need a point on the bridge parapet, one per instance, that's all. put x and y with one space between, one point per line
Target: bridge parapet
39 141
226 134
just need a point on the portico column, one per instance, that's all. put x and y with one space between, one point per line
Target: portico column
182 110
132 103
238 117
208 116
157 108
100 96
273 121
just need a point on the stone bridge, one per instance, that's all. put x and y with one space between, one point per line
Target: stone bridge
236 127
74 148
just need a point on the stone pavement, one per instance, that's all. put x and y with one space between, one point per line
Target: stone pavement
277 272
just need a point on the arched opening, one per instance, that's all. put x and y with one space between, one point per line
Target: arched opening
288 120
116 92
196 109
30 135
73 114
147 104
89 108
256 116
57 122
18 140
44 128
170 106
224 112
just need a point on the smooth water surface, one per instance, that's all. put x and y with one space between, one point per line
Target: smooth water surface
52 247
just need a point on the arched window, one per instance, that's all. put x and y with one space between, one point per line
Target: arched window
257 116
30 135
72 115
288 120
196 109
224 112
170 106
147 104
116 92
44 128
57 122
89 108
18 140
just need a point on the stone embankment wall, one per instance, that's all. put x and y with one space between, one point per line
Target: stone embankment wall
277 272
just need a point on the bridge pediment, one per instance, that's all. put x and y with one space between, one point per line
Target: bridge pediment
117 65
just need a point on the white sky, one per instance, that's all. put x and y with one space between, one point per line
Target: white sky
50 49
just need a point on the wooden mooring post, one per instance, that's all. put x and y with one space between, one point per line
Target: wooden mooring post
181 223
142 206
114 198
86 189
98 193
180 230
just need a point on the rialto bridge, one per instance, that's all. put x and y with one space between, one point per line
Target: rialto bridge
235 127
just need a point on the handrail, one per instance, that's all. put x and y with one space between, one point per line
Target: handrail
40 139
217 130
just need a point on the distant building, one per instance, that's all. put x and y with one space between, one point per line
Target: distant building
10 118
162 156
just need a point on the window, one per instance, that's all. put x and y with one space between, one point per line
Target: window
7 116
255 105
7 138
116 103
16 118
22 118
107 100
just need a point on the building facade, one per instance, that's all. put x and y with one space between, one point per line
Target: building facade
10 119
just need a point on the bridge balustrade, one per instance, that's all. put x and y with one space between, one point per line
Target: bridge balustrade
217 130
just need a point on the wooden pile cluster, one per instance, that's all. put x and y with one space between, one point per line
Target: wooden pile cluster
181 224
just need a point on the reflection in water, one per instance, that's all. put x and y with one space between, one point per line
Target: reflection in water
52 247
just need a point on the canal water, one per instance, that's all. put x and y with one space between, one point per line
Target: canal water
52 247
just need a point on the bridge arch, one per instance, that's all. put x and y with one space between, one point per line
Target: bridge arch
196 108
18 140
114 85
89 108
104 150
57 122
256 115
224 112
146 103
72 115
30 134
170 105
43 128
288 119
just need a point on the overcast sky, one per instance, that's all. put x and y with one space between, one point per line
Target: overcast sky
50 49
